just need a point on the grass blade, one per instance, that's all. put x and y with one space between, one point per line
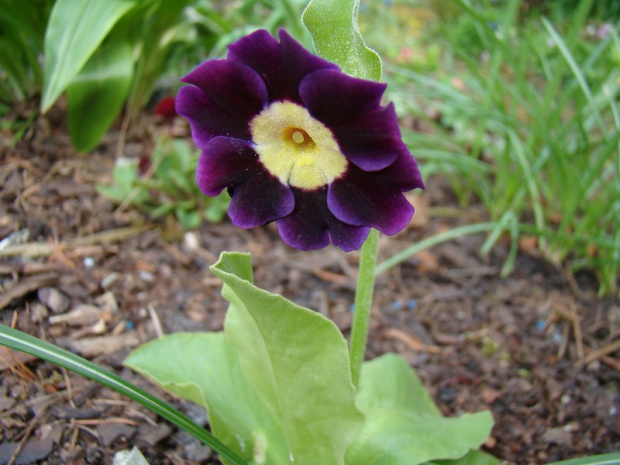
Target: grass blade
568 56
433 240
23 342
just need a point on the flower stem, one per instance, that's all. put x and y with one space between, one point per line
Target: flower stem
363 303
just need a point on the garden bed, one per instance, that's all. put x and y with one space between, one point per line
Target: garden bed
536 348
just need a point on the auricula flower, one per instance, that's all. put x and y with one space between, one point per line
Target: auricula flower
296 141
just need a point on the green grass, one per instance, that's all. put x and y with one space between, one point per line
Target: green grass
525 122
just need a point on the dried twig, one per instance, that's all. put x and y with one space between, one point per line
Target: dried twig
40 249
600 353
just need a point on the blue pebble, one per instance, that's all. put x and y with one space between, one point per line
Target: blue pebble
129 325
412 304
396 305
540 325
352 308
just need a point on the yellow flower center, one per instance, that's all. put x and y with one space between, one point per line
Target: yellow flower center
296 148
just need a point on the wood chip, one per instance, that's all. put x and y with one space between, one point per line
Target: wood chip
26 286
421 203
93 346
427 262
10 358
110 432
32 451
411 341
82 314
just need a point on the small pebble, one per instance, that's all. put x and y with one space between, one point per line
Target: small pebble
53 299
191 241
89 262
146 276
108 280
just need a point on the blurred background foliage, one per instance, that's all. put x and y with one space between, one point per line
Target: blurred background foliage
514 102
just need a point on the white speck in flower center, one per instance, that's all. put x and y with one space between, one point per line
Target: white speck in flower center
298 137
296 148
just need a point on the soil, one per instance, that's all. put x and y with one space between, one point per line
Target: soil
538 347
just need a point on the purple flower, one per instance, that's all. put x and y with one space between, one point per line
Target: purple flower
296 141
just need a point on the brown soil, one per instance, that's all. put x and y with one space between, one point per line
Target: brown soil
538 348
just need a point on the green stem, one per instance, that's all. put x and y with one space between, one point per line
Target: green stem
31 345
363 303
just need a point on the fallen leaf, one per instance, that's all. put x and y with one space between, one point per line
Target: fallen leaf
427 262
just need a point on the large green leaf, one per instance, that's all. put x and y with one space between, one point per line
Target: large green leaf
75 29
297 361
336 37
403 426
204 368
389 383
96 95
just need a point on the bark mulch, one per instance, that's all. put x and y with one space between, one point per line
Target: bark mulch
538 348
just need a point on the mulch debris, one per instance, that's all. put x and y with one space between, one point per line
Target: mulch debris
538 348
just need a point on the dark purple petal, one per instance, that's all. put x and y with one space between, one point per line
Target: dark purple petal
348 237
282 65
403 174
256 196
311 225
366 132
375 198
298 62
226 97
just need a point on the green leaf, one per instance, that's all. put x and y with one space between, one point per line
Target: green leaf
75 29
403 392
204 368
188 219
336 37
96 96
403 425
297 362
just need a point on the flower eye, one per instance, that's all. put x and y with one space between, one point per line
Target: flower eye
298 142
299 137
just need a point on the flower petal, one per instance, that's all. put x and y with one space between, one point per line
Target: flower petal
311 225
282 65
226 97
375 198
256 196
367 133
